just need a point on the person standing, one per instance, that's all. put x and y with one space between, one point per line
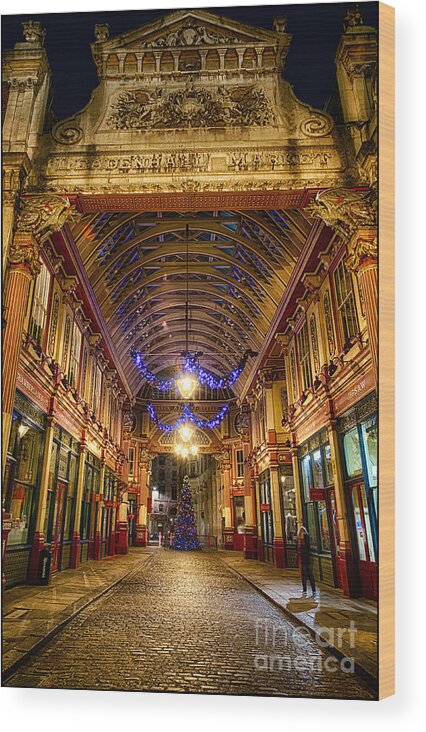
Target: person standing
304 560
160 536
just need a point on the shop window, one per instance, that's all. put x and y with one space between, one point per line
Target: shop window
312 531
317 481
369 440
239 515
240 463
352 451
359 524
346 302
328 465
25 448
40 303
70 499
304 357
323 526
317 469
288 503
306 477
367 523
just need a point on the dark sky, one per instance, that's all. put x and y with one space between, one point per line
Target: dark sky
316 30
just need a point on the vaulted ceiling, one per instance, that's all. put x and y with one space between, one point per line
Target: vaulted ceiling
239 266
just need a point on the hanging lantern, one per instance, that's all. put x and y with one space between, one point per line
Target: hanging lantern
186 383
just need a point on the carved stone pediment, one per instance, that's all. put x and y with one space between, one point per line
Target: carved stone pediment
190 28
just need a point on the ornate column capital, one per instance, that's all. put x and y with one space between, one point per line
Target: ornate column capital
344 209
43 214
362 250
24 253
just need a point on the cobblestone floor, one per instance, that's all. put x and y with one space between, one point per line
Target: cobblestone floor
186 623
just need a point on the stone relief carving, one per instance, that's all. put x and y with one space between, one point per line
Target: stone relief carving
190 34
192 107
25 253
191 161
361 249
101 32
345 209
33 32
191 185
40 215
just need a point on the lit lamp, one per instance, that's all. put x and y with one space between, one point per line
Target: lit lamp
186 385
22 430
185 431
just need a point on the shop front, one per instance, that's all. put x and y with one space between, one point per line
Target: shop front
21 485
89 507
319 506
132 516
288 514
266 516
110 491
60 504
238 512
358 435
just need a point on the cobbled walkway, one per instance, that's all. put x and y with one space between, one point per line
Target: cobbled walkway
186 623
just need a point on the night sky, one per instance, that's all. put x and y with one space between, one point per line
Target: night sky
316 30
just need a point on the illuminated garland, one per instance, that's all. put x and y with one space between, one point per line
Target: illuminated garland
188 415
191 366
161 384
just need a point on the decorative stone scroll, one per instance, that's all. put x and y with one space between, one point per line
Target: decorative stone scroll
192 107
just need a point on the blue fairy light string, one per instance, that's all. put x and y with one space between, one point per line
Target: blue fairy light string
188 415
191 366
160 384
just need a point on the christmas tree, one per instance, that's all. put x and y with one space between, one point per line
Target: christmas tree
185 531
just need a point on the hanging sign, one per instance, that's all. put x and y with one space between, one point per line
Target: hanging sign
265 507
317 494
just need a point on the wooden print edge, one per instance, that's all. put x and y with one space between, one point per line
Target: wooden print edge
386 608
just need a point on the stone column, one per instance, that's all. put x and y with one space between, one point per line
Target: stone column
226 503
142 521
256 488
347 575
23 268
362 260
250 542
279 549
75 547
39 538
122 545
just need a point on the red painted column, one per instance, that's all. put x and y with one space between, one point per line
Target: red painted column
23 268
